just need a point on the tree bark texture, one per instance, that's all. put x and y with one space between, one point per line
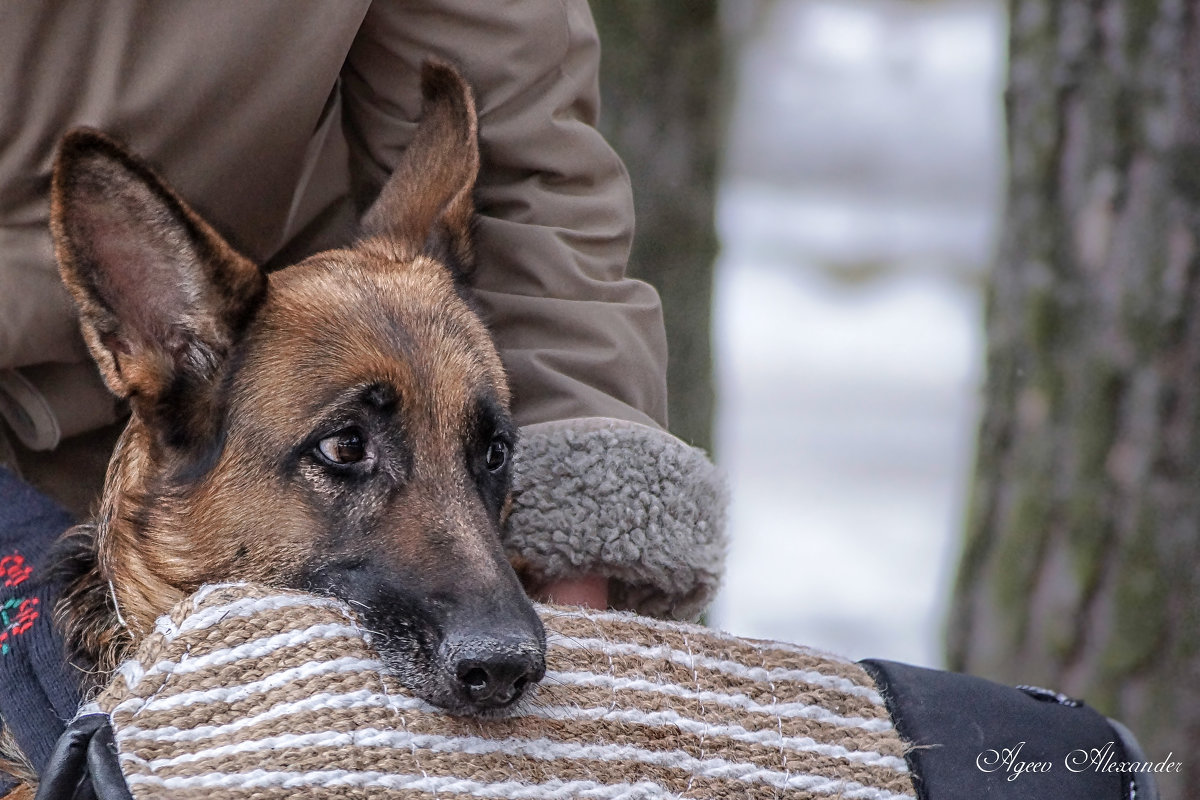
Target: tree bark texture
661 110
1081 565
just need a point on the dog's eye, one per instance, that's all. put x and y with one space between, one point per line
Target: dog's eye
497 455
344 447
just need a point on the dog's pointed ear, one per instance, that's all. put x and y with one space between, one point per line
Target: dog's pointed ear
161 296
426 205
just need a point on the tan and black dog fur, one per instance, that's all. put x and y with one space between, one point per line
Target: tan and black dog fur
340 425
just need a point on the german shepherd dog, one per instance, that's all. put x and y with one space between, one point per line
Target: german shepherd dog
339 426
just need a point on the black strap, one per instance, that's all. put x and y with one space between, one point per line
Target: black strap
976 738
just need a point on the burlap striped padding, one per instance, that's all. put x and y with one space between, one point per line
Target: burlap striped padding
245 692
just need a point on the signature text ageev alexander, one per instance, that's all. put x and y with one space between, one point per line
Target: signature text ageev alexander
1097 759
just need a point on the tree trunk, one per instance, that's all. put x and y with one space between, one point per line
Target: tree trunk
1081 566
661 111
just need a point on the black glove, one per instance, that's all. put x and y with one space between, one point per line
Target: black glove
84 764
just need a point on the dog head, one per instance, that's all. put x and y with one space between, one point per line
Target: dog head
340 425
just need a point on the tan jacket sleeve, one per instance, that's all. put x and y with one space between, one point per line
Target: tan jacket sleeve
578 338
600 488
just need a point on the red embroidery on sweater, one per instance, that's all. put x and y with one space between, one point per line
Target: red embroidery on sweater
14 570
17 615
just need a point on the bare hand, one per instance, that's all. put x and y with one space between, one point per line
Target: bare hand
586 590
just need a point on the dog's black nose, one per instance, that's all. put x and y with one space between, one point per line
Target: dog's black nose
494 674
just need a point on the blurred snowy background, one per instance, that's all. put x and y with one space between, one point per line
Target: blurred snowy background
857 214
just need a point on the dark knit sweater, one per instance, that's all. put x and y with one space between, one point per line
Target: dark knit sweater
38 690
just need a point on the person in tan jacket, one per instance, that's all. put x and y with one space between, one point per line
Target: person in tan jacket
280 121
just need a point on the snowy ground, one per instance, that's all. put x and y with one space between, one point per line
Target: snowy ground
857 214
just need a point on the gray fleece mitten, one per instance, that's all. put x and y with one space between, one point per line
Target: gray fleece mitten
623 500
